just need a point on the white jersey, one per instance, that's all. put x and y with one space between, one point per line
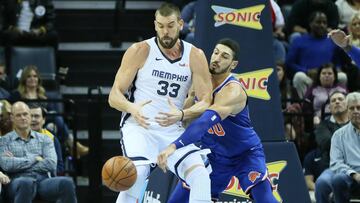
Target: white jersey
159 79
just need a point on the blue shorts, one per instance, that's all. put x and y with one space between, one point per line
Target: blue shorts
250 169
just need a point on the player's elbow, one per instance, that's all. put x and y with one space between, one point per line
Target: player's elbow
111 100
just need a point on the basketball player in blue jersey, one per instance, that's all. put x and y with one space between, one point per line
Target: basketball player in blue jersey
226 129
151 73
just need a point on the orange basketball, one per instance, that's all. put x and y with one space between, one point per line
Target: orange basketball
119 173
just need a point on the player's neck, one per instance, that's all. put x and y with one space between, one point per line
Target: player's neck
218 79
172 53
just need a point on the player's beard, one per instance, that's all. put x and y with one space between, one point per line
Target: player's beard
220 71
169 43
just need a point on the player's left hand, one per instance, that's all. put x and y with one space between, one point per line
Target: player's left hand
163 156
169 118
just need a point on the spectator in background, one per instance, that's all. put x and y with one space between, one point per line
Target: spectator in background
323 134
29 157
309 51
312 169
294 125
5 121
4 83
30 88
349 67
327 127
29 23
38 115
345 153
343 173
347 9
297 23
317 95
1 23
188 15
277 20
342 40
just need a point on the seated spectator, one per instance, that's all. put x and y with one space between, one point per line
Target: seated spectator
4 83
5 121
188 15
30 88
29 23
312 169
340 141
343 41
29 157
4 80
323 134
349 66
347 9
297 22
327 127
317 95
277 20
308 52
294 125
345 153
38 115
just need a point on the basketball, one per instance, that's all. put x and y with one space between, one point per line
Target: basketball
119 173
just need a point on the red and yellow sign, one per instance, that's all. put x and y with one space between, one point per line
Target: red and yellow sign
245 17
256 83
274 169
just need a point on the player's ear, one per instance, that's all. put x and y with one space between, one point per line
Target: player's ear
234 64
155 25
181 23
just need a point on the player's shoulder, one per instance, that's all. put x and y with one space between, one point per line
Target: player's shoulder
196 51
233 89
140 48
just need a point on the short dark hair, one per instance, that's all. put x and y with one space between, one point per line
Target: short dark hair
337 92
35 106
167 9
232 44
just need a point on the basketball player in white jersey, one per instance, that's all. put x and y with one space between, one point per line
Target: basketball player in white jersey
152 74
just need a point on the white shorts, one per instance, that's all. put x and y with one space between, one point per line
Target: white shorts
143 146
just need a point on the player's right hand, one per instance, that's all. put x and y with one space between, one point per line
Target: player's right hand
138 116
163 157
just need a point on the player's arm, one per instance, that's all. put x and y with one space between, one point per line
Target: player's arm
230 100
201 81
133 59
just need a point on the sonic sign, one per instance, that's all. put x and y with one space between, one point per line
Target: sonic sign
255 83
274 169
245 17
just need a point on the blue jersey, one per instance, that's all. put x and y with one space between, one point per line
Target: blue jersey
232 136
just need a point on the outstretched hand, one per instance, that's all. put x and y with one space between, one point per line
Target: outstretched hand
138 116
163 156
340 38
169 118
